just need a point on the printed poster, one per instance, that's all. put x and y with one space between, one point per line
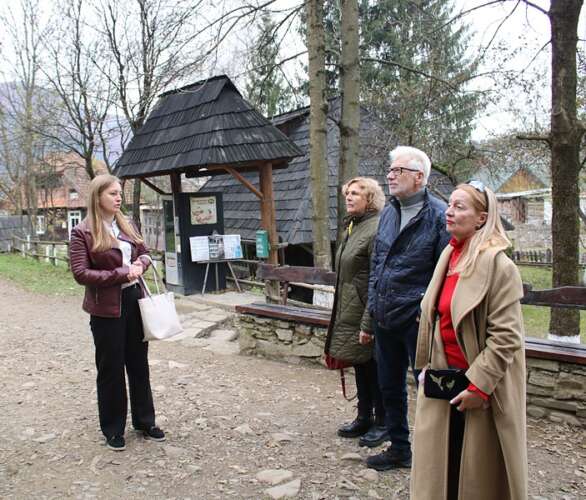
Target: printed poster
203 210
200 248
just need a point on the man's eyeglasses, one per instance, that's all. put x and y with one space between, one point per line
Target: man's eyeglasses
396 171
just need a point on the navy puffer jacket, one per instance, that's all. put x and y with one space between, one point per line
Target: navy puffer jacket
403 261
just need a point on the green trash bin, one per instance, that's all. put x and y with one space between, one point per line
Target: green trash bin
262 244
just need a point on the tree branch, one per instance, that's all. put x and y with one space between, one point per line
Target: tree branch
531 137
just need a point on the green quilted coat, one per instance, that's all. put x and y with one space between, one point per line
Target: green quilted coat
349 313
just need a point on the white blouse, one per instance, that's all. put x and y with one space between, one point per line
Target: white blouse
126 249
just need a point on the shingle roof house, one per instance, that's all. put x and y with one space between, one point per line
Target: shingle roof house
292 191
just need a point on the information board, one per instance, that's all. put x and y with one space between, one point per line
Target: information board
215 247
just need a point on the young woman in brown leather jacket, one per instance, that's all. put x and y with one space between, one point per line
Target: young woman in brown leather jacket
108 256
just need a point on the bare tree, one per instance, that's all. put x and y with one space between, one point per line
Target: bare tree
350 93
153 45
84 93
318 111
20 117
564 139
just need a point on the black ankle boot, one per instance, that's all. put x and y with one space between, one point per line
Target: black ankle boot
357 427
376 435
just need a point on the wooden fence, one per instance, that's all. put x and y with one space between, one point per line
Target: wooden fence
58 251
538 257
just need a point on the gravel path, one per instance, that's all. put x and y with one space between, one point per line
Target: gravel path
227 418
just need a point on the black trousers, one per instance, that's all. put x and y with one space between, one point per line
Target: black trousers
457 424
369 395
119 347
395 351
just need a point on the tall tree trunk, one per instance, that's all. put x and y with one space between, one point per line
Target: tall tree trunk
318 111
350 119
136 202
565 137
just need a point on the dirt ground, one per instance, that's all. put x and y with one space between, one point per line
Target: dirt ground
227 418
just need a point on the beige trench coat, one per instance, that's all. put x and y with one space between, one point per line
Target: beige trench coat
487 318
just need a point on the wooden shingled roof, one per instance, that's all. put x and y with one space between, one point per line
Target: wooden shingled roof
204 124
291 186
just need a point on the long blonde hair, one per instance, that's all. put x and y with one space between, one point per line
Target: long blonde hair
491 235
103 239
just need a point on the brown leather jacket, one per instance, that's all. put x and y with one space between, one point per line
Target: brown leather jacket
102 273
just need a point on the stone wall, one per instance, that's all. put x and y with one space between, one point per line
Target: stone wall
284 340
555 390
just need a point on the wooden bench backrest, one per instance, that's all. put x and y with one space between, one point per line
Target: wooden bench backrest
569 297
296 274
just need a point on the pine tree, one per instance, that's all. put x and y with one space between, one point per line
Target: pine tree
414 71
266 88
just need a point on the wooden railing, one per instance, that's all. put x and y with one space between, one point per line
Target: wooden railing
58 251
32 248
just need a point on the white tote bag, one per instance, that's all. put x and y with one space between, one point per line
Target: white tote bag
159 316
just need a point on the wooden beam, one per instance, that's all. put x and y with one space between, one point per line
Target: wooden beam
175 182
153 186
245 182
267 210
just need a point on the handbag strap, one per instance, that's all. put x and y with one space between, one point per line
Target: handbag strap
343 381
157 277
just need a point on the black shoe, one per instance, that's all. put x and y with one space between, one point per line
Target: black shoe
116 443
358 427
376 436
390 459
153 433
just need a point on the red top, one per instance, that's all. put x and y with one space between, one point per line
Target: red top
454 354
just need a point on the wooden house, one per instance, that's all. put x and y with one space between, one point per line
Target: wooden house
292 190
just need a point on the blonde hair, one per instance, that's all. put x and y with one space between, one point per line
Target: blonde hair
371 191
490 235
103 239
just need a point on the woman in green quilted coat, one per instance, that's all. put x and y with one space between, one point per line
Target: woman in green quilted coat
350 336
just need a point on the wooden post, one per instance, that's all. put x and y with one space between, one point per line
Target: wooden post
267 210
175 182
268 222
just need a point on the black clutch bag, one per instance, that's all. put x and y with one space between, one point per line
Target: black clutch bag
444 384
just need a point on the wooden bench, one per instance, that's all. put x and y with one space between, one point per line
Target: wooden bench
567 297
297 275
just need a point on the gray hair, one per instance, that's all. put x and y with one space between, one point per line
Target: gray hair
416 159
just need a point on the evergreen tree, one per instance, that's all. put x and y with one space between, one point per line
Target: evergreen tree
266 88
414 72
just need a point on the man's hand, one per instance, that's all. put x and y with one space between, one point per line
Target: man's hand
364 338
468 400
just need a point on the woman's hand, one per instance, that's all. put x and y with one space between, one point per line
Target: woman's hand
135 271
468 400
364 338
421 377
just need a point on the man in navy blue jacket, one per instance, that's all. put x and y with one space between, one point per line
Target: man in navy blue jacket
410 238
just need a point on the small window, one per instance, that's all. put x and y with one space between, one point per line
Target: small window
40 224
73 194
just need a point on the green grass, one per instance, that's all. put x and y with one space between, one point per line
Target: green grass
38 277
536 318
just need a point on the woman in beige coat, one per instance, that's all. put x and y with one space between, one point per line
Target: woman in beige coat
473 446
